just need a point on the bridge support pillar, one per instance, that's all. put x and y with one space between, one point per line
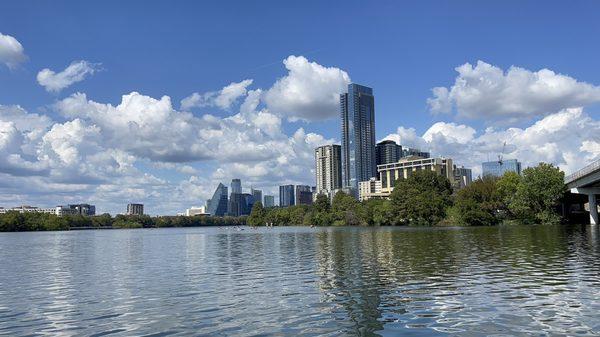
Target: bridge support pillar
593 202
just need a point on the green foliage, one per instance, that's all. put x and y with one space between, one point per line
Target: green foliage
258 215
421 199
507 187
479 203
538 194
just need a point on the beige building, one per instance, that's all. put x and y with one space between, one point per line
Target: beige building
404 168
328 168
371 189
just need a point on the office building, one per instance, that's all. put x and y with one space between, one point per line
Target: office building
257 194
404 168
196 211
463 177
83 209
217 205
328 164
236 186
286 196
499 167
135 209
304 195
370 189
240 204
409 152
387 152
358 136
269 201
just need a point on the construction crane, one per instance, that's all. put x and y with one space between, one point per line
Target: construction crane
501 155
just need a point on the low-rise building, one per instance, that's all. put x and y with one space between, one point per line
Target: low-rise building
404 168
58 210
371 189
196 211
84 209
135 209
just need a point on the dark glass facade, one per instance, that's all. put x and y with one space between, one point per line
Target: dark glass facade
387 152
217 205
286 196
357 108
497 169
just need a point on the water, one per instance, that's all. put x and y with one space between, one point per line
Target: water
538 281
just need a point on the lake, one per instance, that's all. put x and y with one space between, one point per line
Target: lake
297 281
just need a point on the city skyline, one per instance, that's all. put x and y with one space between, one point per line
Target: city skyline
116 117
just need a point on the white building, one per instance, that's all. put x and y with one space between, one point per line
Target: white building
58 210
193 211
328 168
371 189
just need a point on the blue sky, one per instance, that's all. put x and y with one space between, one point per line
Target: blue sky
401 49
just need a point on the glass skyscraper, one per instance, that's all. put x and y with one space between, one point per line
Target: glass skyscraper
217 205
236 186
357 108
286 196
497 168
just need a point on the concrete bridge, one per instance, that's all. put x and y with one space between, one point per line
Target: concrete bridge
587 181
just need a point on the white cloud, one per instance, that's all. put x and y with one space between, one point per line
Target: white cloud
568 138
77 71
489 93
11 51
222 99
308 92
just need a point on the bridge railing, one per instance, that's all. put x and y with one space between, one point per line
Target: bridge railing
583 172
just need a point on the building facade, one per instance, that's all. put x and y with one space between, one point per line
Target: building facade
303 195
328 163
498 168
58 210
217 205
404 168
135 209
257 195
84 209
387 152
240 204
408 152
196 211
269 201
357 108
463 177
286 196
371 189
236 186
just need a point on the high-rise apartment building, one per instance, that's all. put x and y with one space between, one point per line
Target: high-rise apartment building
217 205
269 201
286 196
304 195
135 209
328 164
498 168
236 186
357 108
387 152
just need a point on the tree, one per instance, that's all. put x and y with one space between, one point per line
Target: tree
421 199
538 194
344 209
257 215
507 187
478 204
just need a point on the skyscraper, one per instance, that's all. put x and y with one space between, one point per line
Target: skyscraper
269 201
257 194
387 152
236 186
303 195
358 135
217 205
286 195
498 168
240 204
328 164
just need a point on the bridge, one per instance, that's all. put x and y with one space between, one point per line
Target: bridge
587 181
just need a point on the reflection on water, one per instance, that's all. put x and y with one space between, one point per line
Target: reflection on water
302 281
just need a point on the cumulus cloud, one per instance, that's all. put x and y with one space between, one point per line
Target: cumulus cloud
568 138
487 92
308 92
222 99
77 71
11 51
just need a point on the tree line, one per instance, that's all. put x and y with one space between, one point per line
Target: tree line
423 199
427 199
